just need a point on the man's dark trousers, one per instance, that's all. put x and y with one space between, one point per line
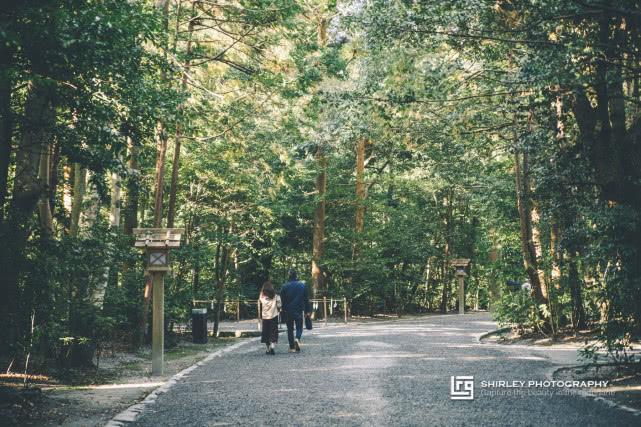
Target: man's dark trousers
290 320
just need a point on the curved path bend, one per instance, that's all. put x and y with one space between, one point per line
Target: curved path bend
376 373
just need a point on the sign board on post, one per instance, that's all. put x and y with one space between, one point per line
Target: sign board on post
157 242
460 266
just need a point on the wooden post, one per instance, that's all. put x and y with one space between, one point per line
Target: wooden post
157 243
325 309
158 336
461 295
238 310
345 308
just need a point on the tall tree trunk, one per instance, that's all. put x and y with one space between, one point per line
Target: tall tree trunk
133 190
161 128
89 216
428 284
535 220
222 265
99 292
68 179
613 151
171 212
493 286
79 187
444 293
37 130
143 335
574 282
6 125
130 221
195 282
54 165
555 254
44 206
318 238
88 220
447 252
114 216
36 136
528 246
361 194
161 152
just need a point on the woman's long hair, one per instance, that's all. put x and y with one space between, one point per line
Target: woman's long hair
268 290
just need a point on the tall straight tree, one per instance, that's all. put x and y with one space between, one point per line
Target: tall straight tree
361 194
6 123
529 230
173 189
37 131
161 126
318 237
132 187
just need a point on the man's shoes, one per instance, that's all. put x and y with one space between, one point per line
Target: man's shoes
271 352
292 350
297 346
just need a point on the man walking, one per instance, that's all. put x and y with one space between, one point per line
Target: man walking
295 300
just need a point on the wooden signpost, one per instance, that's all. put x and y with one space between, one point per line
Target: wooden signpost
460 265
157 243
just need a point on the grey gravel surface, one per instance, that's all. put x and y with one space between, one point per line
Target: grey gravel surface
377 373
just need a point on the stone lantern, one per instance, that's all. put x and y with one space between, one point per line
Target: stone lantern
460 266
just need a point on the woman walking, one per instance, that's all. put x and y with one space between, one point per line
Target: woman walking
271 305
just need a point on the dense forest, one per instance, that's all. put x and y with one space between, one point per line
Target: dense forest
366 143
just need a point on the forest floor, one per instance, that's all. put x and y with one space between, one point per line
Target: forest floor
92 397
624 379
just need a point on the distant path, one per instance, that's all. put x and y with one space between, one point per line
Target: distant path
376 373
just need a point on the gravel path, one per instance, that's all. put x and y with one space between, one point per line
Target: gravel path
377 373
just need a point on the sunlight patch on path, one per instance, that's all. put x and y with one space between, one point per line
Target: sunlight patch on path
375 344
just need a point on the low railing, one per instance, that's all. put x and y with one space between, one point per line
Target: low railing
326 304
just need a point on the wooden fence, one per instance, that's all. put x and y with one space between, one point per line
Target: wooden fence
327 305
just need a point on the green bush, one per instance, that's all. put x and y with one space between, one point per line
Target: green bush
516 308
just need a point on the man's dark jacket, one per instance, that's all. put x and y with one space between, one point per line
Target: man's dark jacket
295 299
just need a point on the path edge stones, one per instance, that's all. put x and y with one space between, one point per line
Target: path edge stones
588 395
551 373
499 331
133 412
